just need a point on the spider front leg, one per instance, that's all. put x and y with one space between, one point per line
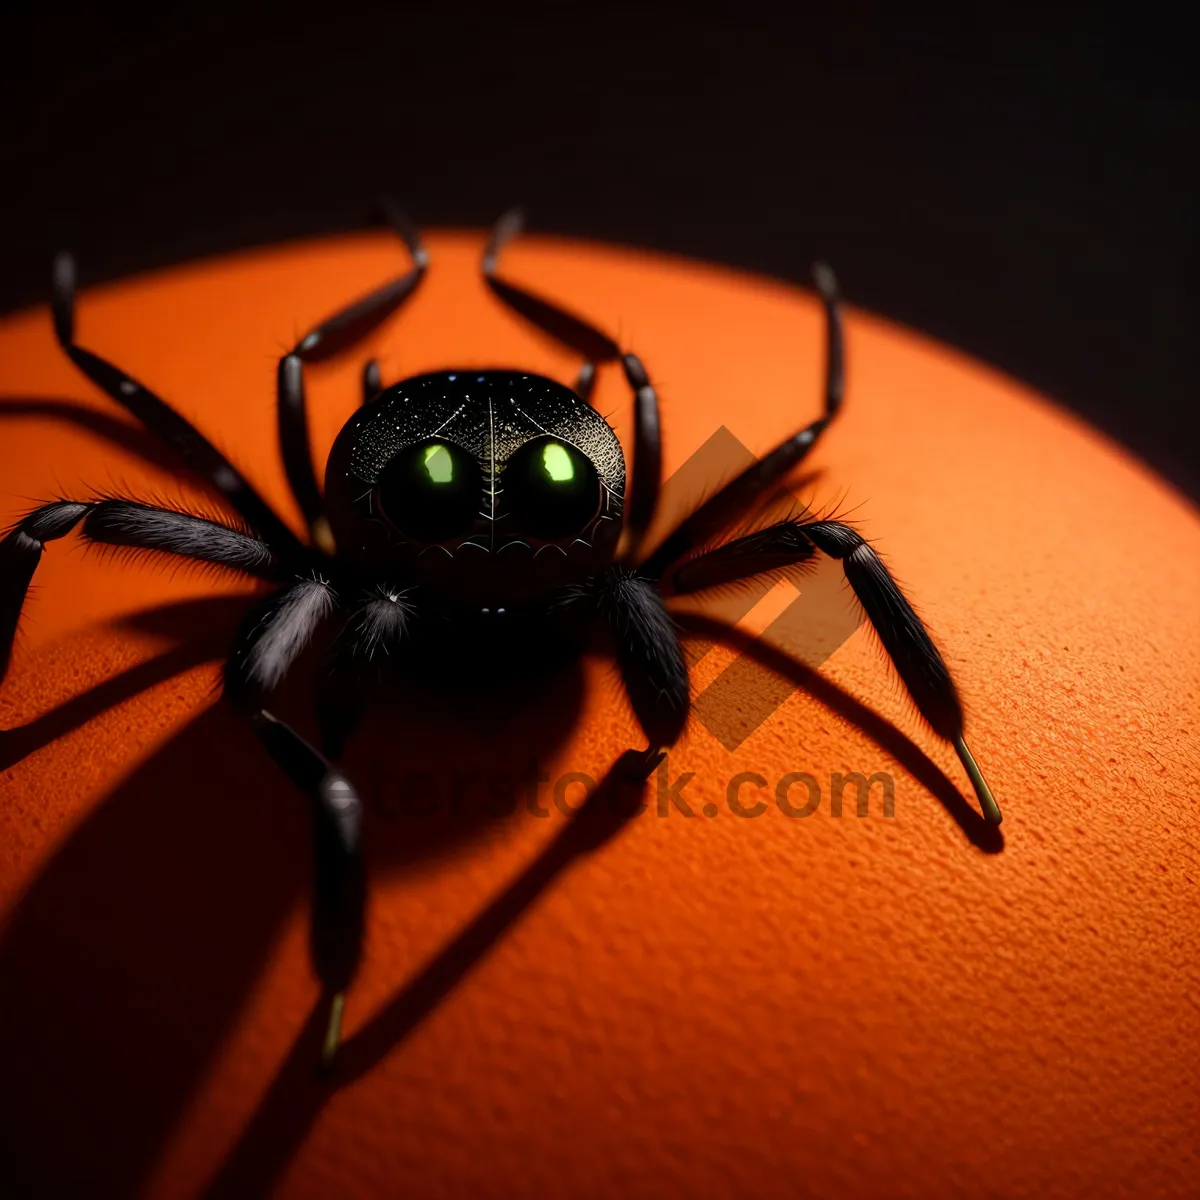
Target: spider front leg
339 879
648 653
375 635
270 642
904 637
271 639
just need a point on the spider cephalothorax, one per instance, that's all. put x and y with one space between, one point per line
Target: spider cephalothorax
491 487
464 509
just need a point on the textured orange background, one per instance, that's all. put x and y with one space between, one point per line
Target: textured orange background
705 1007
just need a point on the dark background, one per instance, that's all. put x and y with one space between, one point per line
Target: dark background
1021 187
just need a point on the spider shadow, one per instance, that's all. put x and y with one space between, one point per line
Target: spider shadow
981 833
157 911
132 438
203 625
298 1093
125 964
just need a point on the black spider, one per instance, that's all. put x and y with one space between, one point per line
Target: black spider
494 501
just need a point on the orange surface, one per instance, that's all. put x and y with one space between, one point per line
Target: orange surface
717 1007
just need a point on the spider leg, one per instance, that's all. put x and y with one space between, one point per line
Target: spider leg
647 459
339 879
372 381
163 421
324 341
585 382
125 523
596 348
741 493
374 635
905 639
648 654
770 549
574 332
269 642
272 636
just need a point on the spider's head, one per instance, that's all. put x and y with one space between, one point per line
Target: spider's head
491 487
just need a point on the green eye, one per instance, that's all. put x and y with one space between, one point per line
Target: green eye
551 488
556 462
438 464
430 491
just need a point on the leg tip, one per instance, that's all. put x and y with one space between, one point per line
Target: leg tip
825 281
62 301
506 228
333 1032
392 214
987 802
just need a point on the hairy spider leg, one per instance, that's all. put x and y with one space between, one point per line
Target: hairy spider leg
125 523
376 629
269 642
198 453
648 653
905 639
